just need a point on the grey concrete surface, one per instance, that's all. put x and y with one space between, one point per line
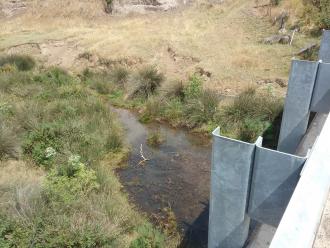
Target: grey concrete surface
324 53
230 176
321 94
275 176
303 214
296 110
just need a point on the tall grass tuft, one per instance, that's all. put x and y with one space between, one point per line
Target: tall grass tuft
22 62
9 145
250 114
145 82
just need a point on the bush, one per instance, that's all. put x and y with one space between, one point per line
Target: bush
146 82
70 182
36 142
22 62
194 88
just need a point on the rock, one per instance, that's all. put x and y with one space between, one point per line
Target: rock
281 19
278 38
281 82
309 52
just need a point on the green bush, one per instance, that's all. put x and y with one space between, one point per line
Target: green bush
36 142
70 182
22 62
194 88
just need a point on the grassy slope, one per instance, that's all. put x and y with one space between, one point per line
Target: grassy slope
224 38
50 108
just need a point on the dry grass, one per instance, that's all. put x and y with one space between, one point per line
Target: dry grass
222 39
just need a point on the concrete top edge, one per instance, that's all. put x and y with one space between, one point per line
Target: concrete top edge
257 143
216 134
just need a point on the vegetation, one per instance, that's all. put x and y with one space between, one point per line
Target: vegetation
249 115
317 12
191 106
21 62
155 139
69 143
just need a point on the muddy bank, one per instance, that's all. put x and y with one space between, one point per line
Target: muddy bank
176 176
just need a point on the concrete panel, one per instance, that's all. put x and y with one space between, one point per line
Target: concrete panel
301 219
321 94
275 176
324 53
230 176
297 103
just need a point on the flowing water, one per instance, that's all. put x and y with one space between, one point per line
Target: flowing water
177 175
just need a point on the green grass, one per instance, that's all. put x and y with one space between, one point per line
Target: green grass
65 128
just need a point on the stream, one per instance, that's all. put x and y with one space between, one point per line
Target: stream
176 176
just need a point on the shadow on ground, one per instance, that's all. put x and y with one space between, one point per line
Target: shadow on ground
196 233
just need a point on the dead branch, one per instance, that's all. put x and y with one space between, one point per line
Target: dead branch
144 159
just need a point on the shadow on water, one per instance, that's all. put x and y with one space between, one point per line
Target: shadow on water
176 176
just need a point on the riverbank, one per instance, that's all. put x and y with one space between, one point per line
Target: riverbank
60 145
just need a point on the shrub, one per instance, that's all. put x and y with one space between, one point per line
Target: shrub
194 88
174 111
9 145
145 83
22 62
317 12
37 142
70 182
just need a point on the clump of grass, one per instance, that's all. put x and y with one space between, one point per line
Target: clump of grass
250 114
9 145
155 139
201 109
120 74
21 62
145 82
56 76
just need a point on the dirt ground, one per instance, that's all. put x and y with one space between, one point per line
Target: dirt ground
221 41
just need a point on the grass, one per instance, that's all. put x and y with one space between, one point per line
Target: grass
155 139
21 62
249 115
70 143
